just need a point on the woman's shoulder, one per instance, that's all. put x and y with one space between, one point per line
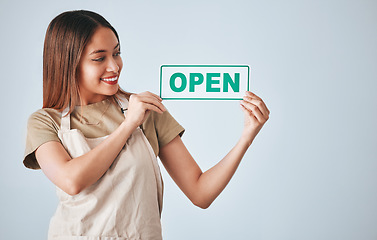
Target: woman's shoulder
45 117
46 112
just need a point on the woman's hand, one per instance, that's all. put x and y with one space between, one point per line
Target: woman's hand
140 105
256 115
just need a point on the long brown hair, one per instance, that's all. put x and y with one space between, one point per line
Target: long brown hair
66 38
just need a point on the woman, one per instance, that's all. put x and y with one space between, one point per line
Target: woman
98 144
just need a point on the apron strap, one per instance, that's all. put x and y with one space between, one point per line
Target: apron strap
65 120
123 103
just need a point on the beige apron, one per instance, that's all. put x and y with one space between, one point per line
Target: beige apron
125 203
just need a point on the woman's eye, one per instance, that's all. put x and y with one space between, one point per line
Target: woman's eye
117 54
98 59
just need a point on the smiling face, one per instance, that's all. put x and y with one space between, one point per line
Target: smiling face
99 67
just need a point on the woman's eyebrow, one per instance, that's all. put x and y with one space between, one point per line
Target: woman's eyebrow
101 50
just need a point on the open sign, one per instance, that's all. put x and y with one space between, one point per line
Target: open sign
204 82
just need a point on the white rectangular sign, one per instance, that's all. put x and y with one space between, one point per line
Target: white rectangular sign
204 82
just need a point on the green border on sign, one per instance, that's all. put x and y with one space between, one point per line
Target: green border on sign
248 81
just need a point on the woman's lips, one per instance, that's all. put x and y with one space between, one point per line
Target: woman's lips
110 80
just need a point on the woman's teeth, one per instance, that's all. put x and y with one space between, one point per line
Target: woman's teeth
110 79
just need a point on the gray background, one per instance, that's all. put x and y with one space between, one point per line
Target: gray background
310 174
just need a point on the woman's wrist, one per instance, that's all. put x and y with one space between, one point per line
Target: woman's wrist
247 136
126 128
129 123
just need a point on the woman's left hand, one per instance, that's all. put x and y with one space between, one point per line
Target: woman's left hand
203 188
256 115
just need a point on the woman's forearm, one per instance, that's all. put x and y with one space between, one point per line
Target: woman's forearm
88 168
72 175
213 181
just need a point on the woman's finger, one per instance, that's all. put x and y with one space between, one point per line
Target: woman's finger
151 94
259 103
254 96
149 99
255 111
251 94
152 100
246 111
151 107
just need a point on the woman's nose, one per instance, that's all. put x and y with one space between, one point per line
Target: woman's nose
112 66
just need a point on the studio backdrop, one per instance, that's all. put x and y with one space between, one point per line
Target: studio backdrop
309 174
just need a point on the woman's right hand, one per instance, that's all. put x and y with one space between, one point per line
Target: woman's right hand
140 105
72 175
